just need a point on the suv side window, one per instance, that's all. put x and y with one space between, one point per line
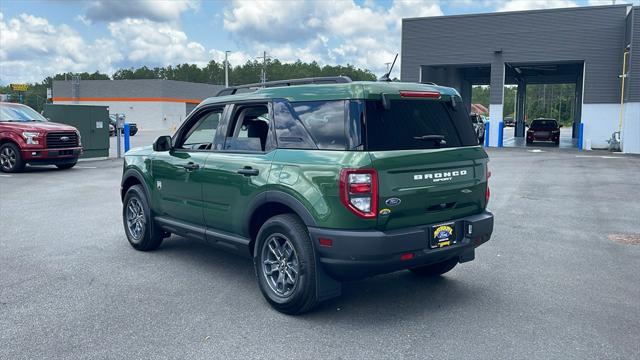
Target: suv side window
290 132
325 121
202 131
250 129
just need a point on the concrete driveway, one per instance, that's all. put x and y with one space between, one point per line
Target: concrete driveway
549 284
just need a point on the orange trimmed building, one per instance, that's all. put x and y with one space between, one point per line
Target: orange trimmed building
152 104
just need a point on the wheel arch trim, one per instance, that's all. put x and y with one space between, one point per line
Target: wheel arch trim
275 196
133 173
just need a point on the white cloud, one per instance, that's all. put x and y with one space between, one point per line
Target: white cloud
31 48
517 5
329 32
151 43
154 10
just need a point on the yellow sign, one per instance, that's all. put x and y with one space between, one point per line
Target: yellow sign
19 87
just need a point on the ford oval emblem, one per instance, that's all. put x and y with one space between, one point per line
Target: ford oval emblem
393 201
64 138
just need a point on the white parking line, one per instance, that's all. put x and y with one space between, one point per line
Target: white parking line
600 156
86 167
3 175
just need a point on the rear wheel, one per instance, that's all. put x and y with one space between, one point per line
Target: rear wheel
435 269
142 232
11 158
285 265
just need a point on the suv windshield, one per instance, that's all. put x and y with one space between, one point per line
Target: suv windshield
417 124
19 113
544 124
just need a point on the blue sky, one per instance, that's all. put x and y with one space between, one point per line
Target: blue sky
39 38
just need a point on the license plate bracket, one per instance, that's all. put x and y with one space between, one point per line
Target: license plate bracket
442 235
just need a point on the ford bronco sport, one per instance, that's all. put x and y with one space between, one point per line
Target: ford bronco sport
319 182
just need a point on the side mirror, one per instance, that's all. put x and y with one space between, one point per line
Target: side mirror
560 126
163 143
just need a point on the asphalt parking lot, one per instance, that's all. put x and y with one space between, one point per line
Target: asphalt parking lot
549 284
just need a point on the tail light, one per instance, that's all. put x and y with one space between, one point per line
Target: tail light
359 191
487 193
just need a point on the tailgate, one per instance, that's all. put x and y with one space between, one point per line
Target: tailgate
418 187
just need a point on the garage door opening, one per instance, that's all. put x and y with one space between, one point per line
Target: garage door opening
551 91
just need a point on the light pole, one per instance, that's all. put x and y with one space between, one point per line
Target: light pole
226 68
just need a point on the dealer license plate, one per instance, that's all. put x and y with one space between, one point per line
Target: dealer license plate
443 235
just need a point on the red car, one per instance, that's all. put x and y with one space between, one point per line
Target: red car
544 130
26 137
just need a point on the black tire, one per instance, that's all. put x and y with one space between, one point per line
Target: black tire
148 236
11 158
435 269
300 296
66 166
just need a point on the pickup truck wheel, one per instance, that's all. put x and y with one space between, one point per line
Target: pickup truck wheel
143 234
285 265
435 269
11 158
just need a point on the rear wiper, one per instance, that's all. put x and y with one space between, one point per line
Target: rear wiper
436 138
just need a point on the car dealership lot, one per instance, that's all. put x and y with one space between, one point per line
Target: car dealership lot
549 284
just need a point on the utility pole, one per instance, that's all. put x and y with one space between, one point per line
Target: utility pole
264 67
226 68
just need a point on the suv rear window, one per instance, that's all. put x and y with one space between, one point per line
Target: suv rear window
407 121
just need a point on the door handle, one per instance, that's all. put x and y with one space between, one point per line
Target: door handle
191 166
248 171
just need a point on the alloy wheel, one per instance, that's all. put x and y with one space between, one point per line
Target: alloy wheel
135 219
280 265
8 158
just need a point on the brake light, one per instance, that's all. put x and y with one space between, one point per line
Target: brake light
487 193
359 191
420 94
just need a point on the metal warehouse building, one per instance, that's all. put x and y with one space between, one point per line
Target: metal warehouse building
152 104
585 46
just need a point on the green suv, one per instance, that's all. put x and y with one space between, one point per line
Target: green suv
319 181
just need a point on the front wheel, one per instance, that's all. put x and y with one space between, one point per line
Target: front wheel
435 269
143 234
11 158
285 266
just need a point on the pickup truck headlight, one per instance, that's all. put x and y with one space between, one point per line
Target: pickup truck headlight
30 137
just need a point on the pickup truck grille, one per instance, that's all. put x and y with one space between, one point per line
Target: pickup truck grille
62 139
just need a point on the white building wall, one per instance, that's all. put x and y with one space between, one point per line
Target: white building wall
631 128
148 115
600 122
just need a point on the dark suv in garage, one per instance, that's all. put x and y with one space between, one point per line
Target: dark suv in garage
318 183
26 137
542 129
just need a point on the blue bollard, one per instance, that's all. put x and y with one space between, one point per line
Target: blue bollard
486 134
500 133
580 136
126 137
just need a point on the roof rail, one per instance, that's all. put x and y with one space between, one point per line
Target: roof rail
289 82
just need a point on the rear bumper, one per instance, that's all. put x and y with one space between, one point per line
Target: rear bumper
51 156
356 254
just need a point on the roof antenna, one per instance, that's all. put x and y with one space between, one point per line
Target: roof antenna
385 77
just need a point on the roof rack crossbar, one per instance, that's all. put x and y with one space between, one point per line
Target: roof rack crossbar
289 82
